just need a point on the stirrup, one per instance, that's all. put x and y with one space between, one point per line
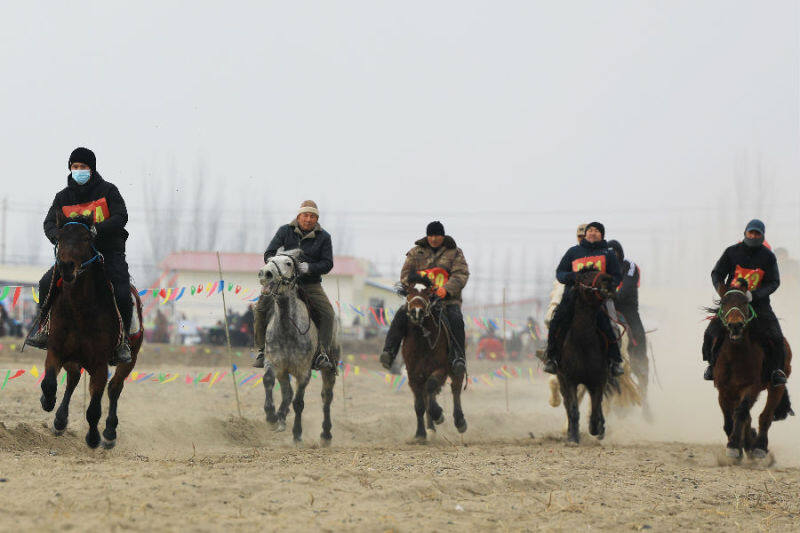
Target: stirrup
777 378
550 366
386 359
322 362
459 366
38 340
121 355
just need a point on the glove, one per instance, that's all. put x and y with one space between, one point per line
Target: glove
303 268
441 292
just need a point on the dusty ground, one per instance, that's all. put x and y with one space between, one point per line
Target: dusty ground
185 462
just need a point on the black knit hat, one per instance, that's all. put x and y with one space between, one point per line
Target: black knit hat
82 155
601 228
617 247
435 228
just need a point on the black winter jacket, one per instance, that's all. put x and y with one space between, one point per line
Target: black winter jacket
628 292
96 197
316 246
604 257
757 266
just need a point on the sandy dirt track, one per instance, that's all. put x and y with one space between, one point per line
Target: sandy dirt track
185 462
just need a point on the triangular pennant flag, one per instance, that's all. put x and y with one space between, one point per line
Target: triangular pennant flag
34 371
35 295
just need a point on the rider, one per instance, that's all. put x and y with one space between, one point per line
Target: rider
593 251
627 299
303 232
437 256
87 193
751 267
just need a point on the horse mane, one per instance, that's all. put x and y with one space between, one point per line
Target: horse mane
87 220
402 288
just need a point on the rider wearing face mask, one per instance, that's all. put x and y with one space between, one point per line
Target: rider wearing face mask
87 193
437 256
751 267
591 252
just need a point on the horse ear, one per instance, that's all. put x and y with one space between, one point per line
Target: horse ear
280 250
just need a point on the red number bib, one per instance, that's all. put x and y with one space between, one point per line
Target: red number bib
437 275
596 261
96 208
753 276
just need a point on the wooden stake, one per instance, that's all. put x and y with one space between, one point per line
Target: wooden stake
505 352
228 337
339 319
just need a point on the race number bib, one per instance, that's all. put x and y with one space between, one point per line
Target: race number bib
597 262
437 275
753 276
96 208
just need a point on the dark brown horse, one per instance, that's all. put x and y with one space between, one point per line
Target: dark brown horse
739 379
85 329
584 359
425 352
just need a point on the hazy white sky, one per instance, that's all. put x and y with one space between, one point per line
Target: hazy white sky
400 112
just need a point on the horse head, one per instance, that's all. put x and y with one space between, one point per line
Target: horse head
281 270
593 285
75 250
419 291
735 312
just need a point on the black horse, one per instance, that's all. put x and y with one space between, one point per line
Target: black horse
584 359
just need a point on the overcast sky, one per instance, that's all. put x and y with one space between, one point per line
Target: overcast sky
391 114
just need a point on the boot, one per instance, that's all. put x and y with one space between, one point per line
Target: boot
259 362
616 360
122 354
386 358
708 375
550 366
777 378
459 366
616 369
322 361
38 337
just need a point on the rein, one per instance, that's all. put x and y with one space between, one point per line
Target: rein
747 318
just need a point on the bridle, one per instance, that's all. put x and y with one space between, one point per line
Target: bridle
84 266
430 304
291 283
723 317
593 288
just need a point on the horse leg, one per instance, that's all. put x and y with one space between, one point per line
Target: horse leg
115 387
419 409
52 366
286 400
62 414
597 423
328 381
97 384
726 405
432 388
269 383
298 404
741 416
458 413
569 394
774 396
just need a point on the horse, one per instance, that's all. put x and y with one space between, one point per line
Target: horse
290 347
426 356
85 329
583 354
739 379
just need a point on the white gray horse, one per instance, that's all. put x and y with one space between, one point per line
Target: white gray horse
290 347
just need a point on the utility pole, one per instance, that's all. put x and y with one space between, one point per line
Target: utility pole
4 231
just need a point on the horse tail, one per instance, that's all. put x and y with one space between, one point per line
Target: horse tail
784 407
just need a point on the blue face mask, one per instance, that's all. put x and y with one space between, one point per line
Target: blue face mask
81 176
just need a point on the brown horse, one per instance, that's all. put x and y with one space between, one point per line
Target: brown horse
584 359
85 329
425 352
739 378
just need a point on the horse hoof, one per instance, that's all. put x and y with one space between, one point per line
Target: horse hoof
108 444
420 439
57 432
297 440
47 405
93 439
758 453
462 428
280 426
733 453
572 443
325 440
601 435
